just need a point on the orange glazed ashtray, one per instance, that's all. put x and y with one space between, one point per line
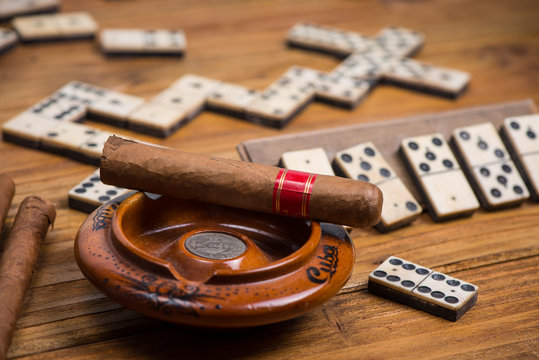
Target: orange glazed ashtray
208 265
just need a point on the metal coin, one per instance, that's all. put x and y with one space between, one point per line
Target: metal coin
215 245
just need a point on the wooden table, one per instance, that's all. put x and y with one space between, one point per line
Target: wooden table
64 316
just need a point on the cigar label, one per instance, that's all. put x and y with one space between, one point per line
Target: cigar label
292 193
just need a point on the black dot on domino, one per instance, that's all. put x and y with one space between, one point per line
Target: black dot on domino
380 273
424 289
518 190
502 180
365 165
424 167
88 185
411 206
464 135
369 151
467 287
408 266
484 172
395 262
447 163
421 271
453 282
363 177
437 141
451 299
482 145
80 190
408 283
530 134
438 277
430 155
413 145
506 168
393 278
499 153
437 294
346 158
385 172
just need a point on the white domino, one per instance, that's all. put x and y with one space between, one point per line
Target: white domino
522 136
399 41
313 160
8 38
81 92
57 107
445 291
369 65
489 166
67 138
285 97
191 103
91 193
422 288
56 26
436 171
27 129
427 77
156 119
342 90
364 162
195 84
114 107
10 8
231 98
138 41
399 274
327 39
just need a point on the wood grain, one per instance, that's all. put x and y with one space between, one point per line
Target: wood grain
242 42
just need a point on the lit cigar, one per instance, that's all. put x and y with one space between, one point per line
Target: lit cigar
18 260
7 190
240 184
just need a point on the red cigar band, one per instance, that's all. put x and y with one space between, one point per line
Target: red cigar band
292 193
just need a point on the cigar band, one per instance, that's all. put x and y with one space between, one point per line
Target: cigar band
292 193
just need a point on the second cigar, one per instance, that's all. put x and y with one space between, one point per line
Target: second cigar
240 184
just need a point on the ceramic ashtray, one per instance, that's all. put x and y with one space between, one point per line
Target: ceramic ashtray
208 265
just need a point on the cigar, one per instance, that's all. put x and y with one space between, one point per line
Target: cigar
18 260
239 184
7 190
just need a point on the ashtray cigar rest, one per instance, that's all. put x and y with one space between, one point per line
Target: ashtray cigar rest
207 265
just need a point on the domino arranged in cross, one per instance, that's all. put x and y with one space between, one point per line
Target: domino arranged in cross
422 288
382 58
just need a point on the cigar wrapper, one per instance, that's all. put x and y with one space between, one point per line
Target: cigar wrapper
18 260
233 183
7 190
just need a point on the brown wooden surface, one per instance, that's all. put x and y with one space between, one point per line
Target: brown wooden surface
64 316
